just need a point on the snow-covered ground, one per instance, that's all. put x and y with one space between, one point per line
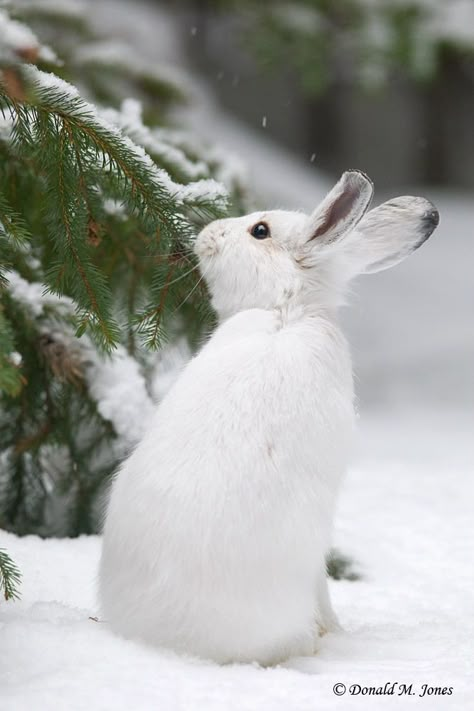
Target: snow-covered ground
405 516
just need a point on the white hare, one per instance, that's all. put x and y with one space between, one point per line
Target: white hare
220 521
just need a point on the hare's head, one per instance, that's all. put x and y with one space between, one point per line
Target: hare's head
273 259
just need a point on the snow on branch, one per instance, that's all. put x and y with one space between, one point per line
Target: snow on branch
122 59
119 388
57 96
129 120
19 43
115 382
68 9
35 296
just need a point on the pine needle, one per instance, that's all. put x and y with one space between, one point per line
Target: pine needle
10 577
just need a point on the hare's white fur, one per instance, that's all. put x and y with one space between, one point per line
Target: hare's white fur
219 522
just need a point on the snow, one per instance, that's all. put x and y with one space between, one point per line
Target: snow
439 20
34 296
129 120
72 9
17 38
228 167
6 125
115 382
405 516
298 17
15 34
119 388
48 81
453 22
120 55
115 208
15 358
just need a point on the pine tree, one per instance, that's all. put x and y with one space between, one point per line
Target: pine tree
99 200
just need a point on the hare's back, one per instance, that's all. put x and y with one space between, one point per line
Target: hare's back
258 395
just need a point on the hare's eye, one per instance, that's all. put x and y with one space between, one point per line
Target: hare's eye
260 231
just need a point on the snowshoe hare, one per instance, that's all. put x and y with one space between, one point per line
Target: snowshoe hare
219 522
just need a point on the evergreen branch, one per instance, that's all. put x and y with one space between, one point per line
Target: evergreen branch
154 316
34 439
152 184
119 60
10 577
67 226
12 225
77 150
10 375
13 234
109 335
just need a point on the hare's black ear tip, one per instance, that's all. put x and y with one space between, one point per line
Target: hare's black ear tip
429 222
431 218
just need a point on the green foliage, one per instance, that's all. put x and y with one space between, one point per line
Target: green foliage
340 567
57 449
9 577
357 42
10 379
78 162
98 208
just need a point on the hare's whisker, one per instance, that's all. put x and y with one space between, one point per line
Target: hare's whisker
182 276
191 292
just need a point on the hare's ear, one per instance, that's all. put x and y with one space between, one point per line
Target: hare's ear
389 233
341 209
